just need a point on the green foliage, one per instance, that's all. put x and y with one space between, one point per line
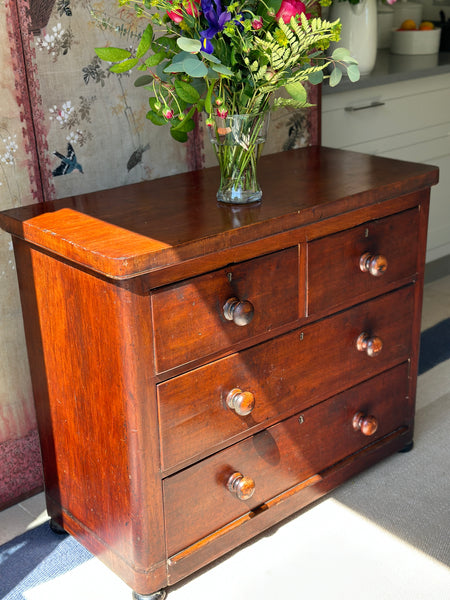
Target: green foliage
254 55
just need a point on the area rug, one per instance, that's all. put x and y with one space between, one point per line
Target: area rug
434 346
35 557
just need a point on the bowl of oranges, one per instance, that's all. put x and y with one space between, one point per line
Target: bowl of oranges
413 38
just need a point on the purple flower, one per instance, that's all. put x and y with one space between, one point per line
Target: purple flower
216 18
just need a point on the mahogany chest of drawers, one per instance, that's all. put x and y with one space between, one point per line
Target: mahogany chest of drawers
203 371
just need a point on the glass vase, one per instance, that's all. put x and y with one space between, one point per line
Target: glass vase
238 141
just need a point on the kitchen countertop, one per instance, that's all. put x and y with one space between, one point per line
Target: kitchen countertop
390 68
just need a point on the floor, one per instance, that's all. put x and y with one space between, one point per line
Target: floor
274 560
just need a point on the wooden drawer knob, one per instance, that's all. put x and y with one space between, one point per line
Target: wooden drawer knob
371 345
241 402
366 424
240 312
375 264
241 487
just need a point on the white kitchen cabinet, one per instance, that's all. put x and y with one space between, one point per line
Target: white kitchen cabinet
408 120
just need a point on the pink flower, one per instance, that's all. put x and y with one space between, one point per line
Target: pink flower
190 7
222 113
257 23
168 113
289 9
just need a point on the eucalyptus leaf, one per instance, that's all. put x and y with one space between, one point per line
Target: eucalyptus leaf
335 77
145 42
175 68
222 69
124 66
112 54
189 45
315 78
210 57
353 73
180 57
340 54
349 60
195 68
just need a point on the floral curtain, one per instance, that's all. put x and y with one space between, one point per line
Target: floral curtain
69 126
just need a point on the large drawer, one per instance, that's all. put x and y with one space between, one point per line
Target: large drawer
190 320
288 373
335 275
282 456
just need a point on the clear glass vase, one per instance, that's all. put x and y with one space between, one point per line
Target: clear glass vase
238 141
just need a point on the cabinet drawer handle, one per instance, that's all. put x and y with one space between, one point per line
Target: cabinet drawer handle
371 105
371 345
366 424
241 402
241 487
240 312
375 264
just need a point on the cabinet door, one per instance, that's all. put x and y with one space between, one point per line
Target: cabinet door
408 120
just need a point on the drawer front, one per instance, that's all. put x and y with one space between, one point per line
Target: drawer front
288 373
198 501
190 320
335 275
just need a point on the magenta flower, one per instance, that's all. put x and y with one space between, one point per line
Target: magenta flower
257 23
289 9
190 7
222 113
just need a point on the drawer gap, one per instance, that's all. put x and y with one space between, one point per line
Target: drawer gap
313 480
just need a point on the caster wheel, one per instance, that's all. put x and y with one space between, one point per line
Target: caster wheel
56 528
407 448
160 595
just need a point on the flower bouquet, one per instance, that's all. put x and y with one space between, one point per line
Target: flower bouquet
227 59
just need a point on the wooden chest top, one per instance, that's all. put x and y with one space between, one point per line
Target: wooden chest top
147 237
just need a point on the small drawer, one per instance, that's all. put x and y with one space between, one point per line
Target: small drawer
361 262
282 456
212 312
199 411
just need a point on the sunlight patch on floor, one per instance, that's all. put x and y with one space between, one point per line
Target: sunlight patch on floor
329 552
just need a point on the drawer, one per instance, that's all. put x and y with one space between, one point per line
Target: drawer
286 374
334 271
197 500
190 320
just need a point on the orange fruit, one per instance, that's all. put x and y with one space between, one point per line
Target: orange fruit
408 25
426 25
